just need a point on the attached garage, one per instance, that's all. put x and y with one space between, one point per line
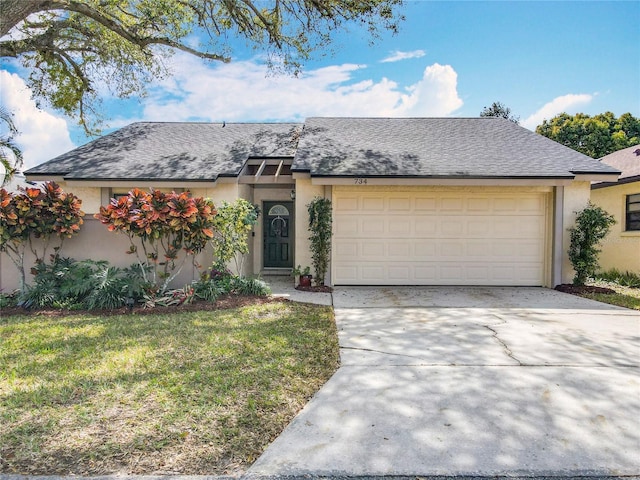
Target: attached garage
440 236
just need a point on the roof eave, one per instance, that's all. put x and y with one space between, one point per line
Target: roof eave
621 181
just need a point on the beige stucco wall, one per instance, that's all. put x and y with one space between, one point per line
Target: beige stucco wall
95 242
620 249
576 198
305 193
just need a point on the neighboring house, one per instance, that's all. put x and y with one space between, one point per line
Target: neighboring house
416 201
621 248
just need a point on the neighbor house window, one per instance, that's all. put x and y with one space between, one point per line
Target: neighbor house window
633 212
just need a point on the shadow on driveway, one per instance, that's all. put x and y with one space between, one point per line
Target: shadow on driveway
446 381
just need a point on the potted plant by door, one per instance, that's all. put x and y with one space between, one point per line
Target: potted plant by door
303 274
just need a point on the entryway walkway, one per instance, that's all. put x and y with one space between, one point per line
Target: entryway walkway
282 287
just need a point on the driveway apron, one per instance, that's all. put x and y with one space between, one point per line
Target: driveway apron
471 381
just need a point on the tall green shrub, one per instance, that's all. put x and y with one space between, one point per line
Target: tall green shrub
320 223
591 226
232 225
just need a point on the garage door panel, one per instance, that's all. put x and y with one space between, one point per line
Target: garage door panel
401 204
345 226
462 238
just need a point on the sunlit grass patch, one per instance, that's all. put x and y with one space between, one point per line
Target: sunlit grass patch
193 393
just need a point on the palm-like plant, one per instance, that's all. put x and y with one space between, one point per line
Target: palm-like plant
10 155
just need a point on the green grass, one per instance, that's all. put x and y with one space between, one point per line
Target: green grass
624 296
191 393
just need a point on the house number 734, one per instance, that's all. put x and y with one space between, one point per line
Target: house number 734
360 181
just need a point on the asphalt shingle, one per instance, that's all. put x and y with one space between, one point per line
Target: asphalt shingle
625 160
434 147
385 147
174 151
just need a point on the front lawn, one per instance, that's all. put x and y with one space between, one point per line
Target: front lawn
628 297
190 393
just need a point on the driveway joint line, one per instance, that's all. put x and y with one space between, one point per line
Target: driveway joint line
379 351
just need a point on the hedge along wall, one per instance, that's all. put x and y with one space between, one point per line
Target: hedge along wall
95 242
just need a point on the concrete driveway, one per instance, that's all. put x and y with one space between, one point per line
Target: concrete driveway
471 381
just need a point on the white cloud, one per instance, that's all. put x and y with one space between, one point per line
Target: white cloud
42 136
435 95
397 56
242 91
570 104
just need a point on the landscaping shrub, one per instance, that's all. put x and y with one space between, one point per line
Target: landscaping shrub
320 223
207 289
250 286
36 219
162 225
591 226
626 279
66 283
8 300
232 225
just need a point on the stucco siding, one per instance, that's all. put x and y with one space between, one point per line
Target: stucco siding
576 198
620 249
94 242
305 193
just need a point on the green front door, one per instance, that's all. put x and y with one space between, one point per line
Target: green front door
278 234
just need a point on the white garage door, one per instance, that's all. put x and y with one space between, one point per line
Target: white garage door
426 236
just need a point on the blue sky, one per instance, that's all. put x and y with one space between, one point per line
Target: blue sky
449 59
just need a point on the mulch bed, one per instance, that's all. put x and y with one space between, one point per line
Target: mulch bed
223 303
582 289
315 288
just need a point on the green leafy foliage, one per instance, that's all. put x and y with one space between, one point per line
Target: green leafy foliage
300 270
232 225
591 226
626 279
164 225
498 109
222 282
320 226
595 136
34 217
8 299
67 47
10 154
67 283
250 286
207 289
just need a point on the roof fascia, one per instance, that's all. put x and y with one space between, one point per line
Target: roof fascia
596 177
622 181
495 181
142 182
40 177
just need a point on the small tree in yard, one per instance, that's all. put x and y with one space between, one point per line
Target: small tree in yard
33 218
233 223
592 225
164 224
320 228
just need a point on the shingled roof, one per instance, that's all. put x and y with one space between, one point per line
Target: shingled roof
173 151
627 161
435 147
329 147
